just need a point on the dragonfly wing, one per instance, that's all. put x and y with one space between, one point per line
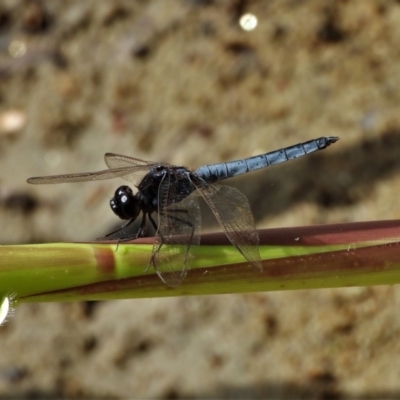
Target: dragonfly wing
119 161
84 176
139 167
128 168
178 229
232 210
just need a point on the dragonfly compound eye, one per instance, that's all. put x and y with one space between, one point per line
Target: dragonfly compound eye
125 204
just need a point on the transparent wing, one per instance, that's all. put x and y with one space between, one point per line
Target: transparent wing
89 176
137 166
178 229
128 168
232 210
119 161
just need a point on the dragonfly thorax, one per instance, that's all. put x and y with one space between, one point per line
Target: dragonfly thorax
125 204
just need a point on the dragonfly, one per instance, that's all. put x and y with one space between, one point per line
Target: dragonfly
172 192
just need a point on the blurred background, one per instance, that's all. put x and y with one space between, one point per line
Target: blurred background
192 82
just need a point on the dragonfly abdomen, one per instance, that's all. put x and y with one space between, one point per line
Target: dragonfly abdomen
216 172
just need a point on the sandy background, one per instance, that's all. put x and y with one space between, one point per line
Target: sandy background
180 81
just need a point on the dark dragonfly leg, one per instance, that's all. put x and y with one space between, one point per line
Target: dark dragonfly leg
142 229
140 232
153 222
119 229
216 172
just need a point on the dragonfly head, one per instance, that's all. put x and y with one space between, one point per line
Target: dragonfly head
125 204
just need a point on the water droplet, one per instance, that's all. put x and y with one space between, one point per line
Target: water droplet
7 306
4 309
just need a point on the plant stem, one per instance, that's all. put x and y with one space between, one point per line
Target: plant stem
357 254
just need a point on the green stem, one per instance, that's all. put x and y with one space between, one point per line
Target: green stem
358 254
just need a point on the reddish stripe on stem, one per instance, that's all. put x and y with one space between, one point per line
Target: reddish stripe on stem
312 235
105 260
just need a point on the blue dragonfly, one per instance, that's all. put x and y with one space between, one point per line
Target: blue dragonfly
172 192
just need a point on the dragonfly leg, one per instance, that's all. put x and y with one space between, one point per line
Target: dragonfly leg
142 230
140 233
118 230
153 222
152 258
